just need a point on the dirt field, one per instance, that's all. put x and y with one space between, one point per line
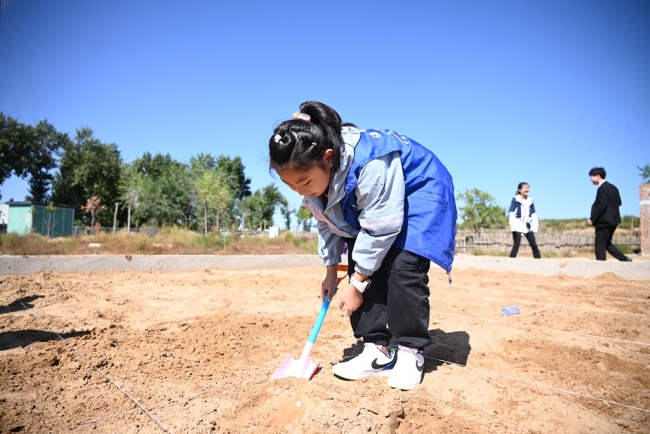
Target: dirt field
197 350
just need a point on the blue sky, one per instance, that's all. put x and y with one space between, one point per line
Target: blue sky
501 91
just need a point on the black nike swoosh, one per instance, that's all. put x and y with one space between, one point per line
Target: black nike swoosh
376 365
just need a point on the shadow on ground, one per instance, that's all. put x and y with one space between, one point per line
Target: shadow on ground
450 347
22 338
17 306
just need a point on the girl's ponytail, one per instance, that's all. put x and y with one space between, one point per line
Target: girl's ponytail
299 144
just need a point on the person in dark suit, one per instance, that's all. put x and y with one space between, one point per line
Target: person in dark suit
605 216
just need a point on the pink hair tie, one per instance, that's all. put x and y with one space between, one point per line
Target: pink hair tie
301 117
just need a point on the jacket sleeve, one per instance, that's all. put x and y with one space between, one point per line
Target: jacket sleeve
330 245
512 219
534 222
380 199
600 205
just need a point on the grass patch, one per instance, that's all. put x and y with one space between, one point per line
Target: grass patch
168 241
476 251
627 249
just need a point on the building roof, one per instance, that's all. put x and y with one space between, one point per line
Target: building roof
57 205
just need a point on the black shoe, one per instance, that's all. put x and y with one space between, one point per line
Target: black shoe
628 259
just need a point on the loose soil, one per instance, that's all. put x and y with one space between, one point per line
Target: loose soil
197 351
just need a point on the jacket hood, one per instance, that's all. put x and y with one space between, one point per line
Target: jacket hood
523 201
336 189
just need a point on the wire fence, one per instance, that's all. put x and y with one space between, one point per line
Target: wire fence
152 231
501 239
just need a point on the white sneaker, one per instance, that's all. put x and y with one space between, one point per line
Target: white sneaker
371 361
408 370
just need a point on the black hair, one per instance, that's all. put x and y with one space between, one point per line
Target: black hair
520 186
301 144
595 171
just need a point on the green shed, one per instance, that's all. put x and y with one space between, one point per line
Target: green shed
28 217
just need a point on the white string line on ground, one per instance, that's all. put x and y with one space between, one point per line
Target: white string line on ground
448 313
570 392
566 306
429 357
541 328
486 371
645 291
578 294
158 422
339 335
519 282
169 401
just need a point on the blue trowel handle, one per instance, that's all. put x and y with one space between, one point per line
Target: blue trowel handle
319 321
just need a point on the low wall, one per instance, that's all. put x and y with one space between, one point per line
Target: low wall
165 263
579 267
638 270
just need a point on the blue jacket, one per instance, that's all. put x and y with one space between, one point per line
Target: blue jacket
429 227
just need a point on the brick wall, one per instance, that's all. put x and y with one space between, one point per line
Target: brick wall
644 204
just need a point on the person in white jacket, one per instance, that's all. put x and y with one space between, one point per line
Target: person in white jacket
523 220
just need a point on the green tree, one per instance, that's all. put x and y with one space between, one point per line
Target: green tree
28 150
46 143
130 187
256 210
248 210
15 143
233 172
164 191
202 162
87 168
304 218
480 211
212 192
645 173
271 198
287 211
50 218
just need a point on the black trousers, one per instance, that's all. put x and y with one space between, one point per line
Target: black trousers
397 301
604 244
530 236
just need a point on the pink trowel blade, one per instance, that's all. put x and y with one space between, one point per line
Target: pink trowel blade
303 367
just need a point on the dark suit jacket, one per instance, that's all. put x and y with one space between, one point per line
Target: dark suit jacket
604 211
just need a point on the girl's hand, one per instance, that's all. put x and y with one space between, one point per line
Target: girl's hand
351 299
328 286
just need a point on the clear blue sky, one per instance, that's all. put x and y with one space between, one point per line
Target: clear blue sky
501 91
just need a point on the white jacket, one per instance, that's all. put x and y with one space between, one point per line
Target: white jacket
522 216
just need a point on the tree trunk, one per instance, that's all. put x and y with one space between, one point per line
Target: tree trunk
92 223
128 219
205 215
117 205
217 220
